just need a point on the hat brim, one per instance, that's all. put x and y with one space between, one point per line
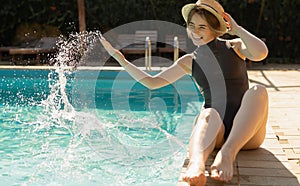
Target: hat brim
188 8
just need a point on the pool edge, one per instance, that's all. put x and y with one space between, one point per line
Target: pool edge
113 68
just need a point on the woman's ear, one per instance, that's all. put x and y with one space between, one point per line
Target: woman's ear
188 32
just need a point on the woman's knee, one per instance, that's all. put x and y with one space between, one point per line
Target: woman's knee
258 92
210 114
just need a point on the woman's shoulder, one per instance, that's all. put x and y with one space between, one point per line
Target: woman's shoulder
186 59
185 62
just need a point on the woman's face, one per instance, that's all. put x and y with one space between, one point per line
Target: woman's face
199 31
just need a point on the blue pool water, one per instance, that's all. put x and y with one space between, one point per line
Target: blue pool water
92 127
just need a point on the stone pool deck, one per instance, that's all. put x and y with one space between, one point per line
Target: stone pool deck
277 162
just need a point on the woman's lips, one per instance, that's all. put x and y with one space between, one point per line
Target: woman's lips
197 40
196 37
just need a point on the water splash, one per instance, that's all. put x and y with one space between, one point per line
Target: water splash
84 146
72 50
71 53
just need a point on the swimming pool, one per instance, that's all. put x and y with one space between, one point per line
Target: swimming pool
92 127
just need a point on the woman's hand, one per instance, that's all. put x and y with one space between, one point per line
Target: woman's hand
231 24
108 47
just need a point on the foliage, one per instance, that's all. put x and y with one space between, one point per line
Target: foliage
278 23
15 14
28 32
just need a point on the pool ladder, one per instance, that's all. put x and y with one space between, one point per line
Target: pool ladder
148 66
148 52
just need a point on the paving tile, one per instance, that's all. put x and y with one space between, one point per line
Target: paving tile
268 180
266 172
261 164
296 150
260 156
271 142
211 182
291 154
276 151
295 166
283 141
288 132
294 141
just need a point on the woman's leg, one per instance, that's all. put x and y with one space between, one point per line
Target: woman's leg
248 132
208 133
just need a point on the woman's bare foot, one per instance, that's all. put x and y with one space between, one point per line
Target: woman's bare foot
222 167
195 174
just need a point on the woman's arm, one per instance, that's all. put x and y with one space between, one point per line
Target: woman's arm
165 77
248 45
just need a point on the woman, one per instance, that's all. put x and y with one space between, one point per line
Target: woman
234 117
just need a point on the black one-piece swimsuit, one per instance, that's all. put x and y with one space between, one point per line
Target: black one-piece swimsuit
222 78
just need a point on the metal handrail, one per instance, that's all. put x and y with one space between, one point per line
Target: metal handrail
148 54
176 48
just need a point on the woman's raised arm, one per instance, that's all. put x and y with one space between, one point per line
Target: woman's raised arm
165 77
248 45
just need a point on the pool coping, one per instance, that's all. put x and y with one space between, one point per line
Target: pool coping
112 68
253 67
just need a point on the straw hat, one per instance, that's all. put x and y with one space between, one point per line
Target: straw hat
210 5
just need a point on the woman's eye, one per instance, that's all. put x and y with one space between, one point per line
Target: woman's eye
191 26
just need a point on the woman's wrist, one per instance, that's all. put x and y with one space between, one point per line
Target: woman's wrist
237 30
